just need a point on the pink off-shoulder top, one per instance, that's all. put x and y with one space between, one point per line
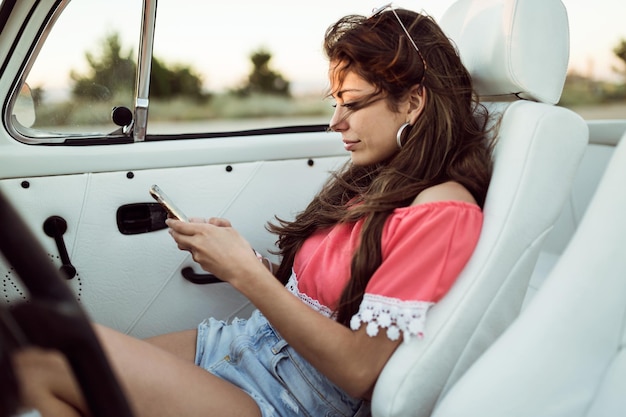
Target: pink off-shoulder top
424 248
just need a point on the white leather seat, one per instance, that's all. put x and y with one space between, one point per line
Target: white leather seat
564 356
518 51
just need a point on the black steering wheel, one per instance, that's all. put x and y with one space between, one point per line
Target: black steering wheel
51 319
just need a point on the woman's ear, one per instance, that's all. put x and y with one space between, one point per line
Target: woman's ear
417 102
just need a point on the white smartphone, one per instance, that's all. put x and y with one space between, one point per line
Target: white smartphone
167 203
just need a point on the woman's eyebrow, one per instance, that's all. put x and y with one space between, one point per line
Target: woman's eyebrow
347 90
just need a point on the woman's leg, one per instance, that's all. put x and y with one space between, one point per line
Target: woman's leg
157 380
181 344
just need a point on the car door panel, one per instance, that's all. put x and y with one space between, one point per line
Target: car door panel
18 160
65 201
133 282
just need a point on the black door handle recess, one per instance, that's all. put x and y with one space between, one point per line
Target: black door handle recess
138 218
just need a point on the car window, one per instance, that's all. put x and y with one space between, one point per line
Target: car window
81 72
243 65
596 80
237 66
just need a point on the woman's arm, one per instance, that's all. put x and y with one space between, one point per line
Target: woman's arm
351 359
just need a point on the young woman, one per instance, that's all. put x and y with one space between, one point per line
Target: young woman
360 266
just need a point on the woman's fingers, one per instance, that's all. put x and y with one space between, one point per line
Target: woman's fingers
182 233
197 220
217 221
186 228
215 245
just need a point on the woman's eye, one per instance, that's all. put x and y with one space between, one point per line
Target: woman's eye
350 106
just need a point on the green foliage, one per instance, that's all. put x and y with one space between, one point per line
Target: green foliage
263 79
583 91
229 106
620 52
110 72
37 93
79 113
83 114
113 72
176 93
177 81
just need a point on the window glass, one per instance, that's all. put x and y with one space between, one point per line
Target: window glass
221 44
241 64
246 64
595 86
85 68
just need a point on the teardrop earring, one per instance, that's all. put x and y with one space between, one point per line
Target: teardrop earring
399 134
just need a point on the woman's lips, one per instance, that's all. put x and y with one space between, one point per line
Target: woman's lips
349 145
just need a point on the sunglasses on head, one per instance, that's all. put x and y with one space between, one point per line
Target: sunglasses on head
389 6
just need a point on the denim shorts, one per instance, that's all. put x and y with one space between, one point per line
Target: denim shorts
251 355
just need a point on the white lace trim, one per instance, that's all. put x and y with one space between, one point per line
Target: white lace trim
398 317
292 286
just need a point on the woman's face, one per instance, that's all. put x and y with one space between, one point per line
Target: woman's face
368 133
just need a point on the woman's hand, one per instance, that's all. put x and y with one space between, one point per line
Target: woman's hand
216 246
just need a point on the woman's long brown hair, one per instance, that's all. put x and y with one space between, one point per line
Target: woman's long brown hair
449 141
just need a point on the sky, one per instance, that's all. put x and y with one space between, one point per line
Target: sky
596 27
222 34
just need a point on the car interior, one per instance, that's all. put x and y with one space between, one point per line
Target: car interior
517 71
534 325
564 355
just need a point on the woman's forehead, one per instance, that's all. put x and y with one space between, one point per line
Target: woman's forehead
342 81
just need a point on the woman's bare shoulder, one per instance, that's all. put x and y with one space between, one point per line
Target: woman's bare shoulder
447 191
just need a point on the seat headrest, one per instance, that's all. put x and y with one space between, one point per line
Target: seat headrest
516 47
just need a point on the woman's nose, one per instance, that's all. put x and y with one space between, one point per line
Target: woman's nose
339 121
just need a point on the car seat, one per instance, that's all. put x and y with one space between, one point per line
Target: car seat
517 54
564 356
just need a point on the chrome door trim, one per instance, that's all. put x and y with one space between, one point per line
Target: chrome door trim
144 67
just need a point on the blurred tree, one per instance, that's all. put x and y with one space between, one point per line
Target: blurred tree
109 73
113 71
263 79
620 52
38 95
179 80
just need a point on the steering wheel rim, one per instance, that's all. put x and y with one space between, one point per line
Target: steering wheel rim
54 319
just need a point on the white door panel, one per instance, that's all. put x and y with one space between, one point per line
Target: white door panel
133 282
37 199
18 160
